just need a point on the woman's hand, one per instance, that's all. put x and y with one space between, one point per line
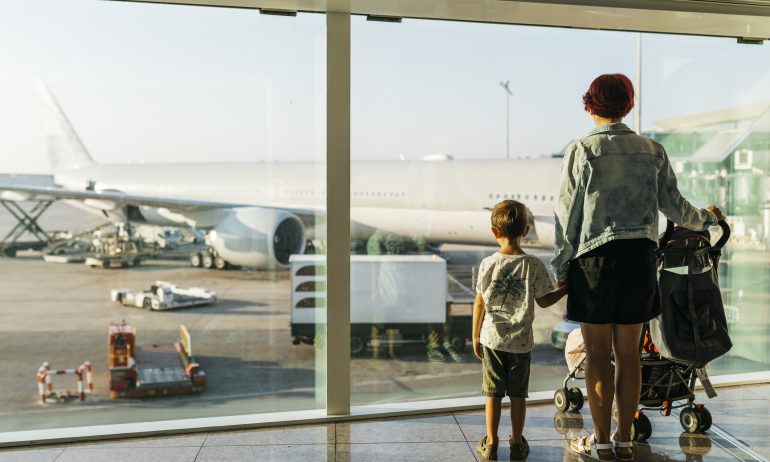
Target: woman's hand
717 212
477 350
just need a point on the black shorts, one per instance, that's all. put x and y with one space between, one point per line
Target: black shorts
614 283
505 373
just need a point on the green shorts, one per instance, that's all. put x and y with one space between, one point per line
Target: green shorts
505 373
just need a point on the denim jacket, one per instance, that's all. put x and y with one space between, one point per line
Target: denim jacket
613 183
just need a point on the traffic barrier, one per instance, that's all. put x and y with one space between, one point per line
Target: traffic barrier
45 383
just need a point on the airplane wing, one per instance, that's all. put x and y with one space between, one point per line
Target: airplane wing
109 200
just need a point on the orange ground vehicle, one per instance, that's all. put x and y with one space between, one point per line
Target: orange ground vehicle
156 370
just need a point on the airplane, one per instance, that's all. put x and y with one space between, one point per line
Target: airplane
257 214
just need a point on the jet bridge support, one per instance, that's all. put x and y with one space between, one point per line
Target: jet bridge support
27 222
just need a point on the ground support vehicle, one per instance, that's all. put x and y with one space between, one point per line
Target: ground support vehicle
164 296
46 392
64 258
395 300
116 249
150 371
159 237
113 261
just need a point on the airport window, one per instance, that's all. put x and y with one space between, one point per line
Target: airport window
226 108
392 64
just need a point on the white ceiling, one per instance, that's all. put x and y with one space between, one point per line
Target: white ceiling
732 18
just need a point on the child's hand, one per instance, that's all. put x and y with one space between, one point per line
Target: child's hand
477 350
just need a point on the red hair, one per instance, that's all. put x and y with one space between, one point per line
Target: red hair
610 96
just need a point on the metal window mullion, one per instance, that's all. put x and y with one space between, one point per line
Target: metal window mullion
338 213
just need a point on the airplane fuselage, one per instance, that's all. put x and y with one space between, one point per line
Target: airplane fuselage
442 201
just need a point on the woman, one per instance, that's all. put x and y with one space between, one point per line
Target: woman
613 184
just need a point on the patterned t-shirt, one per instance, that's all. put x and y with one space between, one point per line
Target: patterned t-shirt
509 285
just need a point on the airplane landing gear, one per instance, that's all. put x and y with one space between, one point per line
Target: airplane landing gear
209 259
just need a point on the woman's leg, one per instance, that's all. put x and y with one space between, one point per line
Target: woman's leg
599 381
628 375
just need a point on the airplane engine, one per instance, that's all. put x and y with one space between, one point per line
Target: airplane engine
258 237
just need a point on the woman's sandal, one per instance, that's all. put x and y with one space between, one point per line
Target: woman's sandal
578 446
624 450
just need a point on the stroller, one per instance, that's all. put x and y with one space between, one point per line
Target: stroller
676 346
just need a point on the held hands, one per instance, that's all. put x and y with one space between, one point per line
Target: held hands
717 212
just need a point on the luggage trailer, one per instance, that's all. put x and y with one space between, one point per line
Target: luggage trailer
150 371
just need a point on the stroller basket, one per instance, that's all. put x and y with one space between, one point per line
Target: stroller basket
663 380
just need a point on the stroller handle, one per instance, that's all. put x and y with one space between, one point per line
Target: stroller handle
725 234
718 246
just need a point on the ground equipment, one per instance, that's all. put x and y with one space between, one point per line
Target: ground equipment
164 296
394 300
156 370
46 392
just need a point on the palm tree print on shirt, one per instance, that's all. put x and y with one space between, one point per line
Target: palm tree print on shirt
508 285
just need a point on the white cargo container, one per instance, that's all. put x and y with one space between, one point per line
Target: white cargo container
404 293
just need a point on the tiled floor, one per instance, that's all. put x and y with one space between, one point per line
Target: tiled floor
741 431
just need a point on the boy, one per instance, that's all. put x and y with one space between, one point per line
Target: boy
509 284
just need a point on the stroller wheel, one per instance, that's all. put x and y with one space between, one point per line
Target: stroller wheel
642 427
694 446
565 423
561 399
705 419
560 423
690 420
576 399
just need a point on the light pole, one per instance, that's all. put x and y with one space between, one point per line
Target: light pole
508 95
638 114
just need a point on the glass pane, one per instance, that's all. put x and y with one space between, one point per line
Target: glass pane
205 137
707 100
431 119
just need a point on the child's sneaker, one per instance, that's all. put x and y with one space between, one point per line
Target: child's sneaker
487 451
519 451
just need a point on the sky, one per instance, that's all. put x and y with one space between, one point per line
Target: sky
164 83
